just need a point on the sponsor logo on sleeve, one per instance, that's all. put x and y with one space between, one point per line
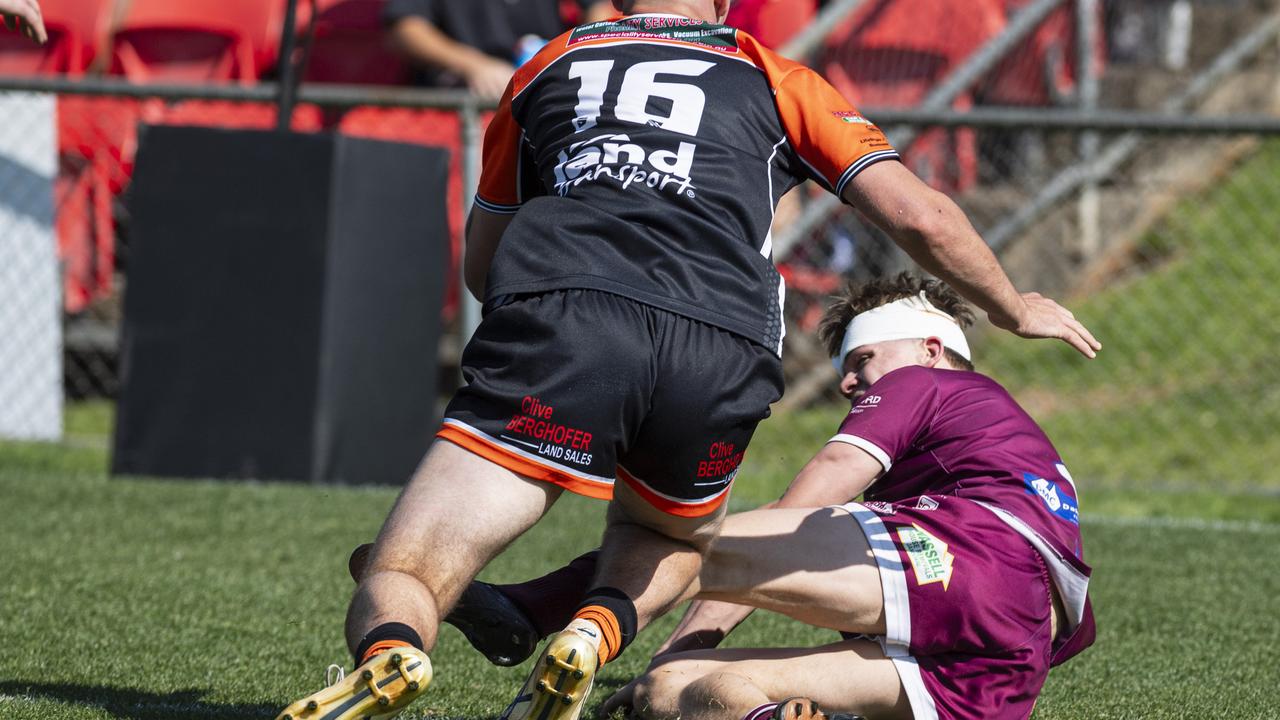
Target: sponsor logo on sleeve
1056 501
850 117
882 508
929 556
868 402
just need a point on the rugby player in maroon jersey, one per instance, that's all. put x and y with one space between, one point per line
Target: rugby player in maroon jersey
958 580
620 244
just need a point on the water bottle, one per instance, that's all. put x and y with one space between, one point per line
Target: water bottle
526 47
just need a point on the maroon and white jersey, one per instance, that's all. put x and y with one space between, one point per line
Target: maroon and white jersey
950 433
644 156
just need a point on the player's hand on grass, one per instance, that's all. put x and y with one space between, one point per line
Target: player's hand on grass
1044 318
24 15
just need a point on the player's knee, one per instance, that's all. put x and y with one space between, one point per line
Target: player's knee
721 694
417 596
696 532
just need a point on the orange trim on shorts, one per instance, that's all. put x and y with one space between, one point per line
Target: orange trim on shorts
499 455
672 507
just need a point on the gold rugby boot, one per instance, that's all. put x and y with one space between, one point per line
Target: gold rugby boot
558 687
380 688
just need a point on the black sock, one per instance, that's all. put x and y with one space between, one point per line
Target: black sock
550 601
623 612
393 631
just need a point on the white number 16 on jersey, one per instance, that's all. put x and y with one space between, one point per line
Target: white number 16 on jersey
638 85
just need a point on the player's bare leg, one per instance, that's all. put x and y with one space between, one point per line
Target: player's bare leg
849 676
457 512
756 562
647 560
651 555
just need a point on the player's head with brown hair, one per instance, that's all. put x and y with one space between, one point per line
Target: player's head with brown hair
913 317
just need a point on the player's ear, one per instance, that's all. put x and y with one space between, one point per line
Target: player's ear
932 349
722 9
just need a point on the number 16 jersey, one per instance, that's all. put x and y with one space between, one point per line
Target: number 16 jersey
644 156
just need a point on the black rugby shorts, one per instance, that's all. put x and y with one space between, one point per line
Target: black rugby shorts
579 387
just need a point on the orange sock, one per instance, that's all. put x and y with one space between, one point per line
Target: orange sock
382 646
610 634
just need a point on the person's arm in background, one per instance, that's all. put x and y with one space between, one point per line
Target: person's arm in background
27 14
413 35
936 233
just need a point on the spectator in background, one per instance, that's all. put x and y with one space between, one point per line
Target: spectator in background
23 16
478 43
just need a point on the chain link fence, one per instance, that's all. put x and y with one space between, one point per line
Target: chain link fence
1164 244
1167 245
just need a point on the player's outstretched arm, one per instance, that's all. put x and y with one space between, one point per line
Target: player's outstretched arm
935 232
484 230
26 13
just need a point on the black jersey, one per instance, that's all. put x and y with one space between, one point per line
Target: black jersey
644 156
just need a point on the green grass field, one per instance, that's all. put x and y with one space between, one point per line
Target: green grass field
170 599
1186 389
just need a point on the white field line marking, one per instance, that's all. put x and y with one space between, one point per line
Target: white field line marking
1183 523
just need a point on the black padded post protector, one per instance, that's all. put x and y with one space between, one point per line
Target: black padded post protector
282 312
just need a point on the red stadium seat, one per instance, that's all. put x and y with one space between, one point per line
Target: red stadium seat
78 32
891 53
1042 70
772 22
86 238
198 40
348 45
96 139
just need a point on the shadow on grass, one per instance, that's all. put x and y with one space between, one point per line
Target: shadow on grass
137 704
130 704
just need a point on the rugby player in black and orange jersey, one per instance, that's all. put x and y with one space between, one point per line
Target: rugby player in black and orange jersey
632 328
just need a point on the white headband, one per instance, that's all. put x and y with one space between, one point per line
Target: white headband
905 319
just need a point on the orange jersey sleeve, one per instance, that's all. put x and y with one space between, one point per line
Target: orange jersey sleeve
508 176
501 175
831 138
825 131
